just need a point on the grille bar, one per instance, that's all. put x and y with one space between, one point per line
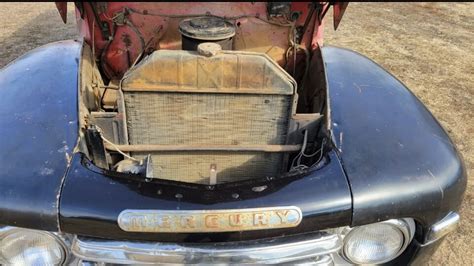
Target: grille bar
236 148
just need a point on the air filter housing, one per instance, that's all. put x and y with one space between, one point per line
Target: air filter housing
195 31
232 100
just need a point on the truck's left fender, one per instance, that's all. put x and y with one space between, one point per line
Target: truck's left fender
38 131
398 159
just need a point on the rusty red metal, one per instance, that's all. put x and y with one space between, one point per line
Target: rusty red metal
62 8
121 31
338 11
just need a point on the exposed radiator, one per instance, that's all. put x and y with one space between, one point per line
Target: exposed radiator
232 99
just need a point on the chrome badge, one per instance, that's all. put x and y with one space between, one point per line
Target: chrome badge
196 221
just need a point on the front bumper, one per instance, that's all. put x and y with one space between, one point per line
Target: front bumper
320 248
315 248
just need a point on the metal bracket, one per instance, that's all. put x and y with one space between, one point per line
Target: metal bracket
96 147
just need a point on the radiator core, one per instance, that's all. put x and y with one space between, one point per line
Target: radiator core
233 98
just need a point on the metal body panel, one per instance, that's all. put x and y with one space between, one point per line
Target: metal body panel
416 254
96 214
157 24
398 159
38 131
235 72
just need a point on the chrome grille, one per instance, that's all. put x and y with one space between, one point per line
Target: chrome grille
316 248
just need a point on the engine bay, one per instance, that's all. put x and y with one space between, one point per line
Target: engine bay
212 110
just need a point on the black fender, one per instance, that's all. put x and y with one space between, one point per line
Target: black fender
398 159
38 132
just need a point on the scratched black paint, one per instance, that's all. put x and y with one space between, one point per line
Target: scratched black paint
398 159
91 202
391 159
38 129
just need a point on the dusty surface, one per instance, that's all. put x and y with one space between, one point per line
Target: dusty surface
429 46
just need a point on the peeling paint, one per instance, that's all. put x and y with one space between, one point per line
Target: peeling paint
46 171
340 141
65 148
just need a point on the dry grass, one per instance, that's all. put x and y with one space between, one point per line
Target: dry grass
429 46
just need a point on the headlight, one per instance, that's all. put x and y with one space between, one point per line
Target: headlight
20 246
379 242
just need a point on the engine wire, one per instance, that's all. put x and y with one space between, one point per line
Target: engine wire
115 146
137 32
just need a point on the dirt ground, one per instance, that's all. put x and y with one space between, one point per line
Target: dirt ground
429 46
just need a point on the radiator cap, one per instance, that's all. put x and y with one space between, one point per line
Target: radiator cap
209 48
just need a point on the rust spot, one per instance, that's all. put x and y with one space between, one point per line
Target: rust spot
126 40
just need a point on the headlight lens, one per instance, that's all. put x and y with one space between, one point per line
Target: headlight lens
379 242
20 246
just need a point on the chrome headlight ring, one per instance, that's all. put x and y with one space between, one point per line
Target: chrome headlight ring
61 248
405 227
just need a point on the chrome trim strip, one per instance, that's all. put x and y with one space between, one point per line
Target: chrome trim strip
272 250
443 227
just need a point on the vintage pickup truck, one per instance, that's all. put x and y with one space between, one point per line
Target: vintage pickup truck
219 133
